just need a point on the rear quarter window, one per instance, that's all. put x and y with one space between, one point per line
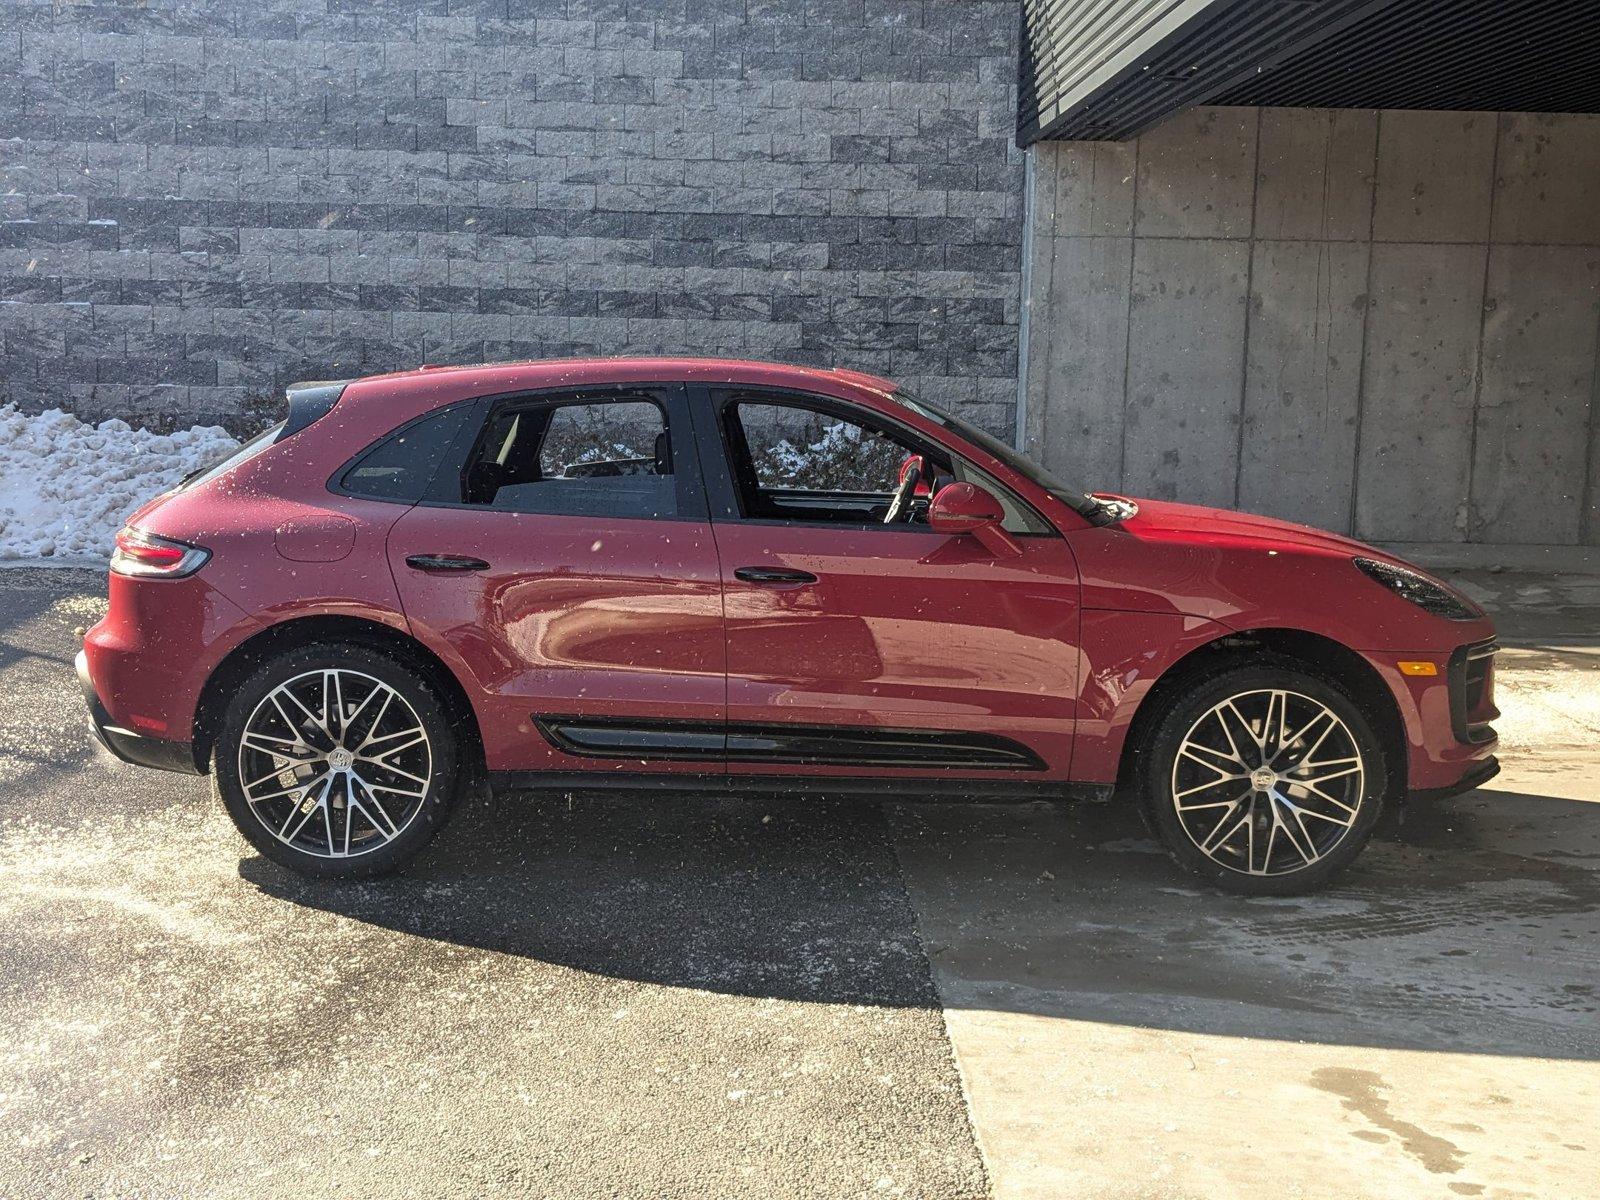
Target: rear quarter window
401 466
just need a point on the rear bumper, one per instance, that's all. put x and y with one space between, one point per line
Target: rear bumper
124 744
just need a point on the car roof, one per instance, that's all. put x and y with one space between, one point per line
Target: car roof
579 372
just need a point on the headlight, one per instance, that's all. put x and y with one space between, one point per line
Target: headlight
1419 590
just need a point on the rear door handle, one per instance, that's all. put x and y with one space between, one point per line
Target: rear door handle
445 562
773 575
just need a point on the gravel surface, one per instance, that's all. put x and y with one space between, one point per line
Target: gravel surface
621 996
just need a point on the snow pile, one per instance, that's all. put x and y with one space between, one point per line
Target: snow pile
65 487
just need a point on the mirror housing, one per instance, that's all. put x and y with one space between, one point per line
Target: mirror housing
966 508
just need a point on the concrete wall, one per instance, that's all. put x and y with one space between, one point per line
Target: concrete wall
1384 323
203 200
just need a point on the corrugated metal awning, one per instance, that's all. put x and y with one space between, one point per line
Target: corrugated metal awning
1106 69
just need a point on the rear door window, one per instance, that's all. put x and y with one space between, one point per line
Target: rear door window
610 457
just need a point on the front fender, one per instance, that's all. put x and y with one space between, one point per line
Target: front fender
1123 655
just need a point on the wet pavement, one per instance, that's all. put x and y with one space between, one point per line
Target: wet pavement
643 996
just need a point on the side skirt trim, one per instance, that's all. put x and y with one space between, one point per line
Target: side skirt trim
816 745
897 789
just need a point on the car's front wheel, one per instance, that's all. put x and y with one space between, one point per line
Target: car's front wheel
336 761
1263 779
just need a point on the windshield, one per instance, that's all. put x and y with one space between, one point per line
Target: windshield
1015 459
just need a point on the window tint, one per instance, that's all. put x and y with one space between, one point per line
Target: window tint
797 448
609 458
401 466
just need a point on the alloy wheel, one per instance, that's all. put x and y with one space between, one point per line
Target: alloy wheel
1268 782
335 763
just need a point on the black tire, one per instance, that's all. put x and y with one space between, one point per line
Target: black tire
409 828
1161 776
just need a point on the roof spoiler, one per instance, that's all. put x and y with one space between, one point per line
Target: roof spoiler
309 402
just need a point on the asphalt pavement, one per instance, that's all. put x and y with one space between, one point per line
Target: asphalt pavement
602 996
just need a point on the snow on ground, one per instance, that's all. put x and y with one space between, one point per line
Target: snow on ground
65 487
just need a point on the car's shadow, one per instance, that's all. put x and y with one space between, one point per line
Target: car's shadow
1457 929
783 899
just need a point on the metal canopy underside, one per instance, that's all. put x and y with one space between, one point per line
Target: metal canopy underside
1107 69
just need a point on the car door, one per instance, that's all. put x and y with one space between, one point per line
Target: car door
562 563
858 645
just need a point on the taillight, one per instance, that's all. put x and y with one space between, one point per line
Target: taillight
145 555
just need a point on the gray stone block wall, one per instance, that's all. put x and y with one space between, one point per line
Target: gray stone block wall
1385 323
204 201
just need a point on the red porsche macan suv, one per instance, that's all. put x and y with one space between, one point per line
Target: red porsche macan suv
700 573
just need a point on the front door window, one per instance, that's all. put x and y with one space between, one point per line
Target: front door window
796 462
815 461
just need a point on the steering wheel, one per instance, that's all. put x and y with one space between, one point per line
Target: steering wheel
900 507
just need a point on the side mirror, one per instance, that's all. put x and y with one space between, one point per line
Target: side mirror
967 508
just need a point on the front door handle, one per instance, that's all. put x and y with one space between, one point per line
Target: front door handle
445 562
773 575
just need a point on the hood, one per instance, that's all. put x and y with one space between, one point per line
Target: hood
1249 572
1199 525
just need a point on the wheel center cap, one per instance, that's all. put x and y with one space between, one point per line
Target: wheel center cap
1263 779
341 759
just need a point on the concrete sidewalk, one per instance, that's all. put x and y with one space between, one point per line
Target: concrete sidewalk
1430 1026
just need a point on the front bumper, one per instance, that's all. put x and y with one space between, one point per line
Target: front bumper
1476 776
1446 716
124 744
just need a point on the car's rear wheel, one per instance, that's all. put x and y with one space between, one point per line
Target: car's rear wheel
1263 779
336 761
